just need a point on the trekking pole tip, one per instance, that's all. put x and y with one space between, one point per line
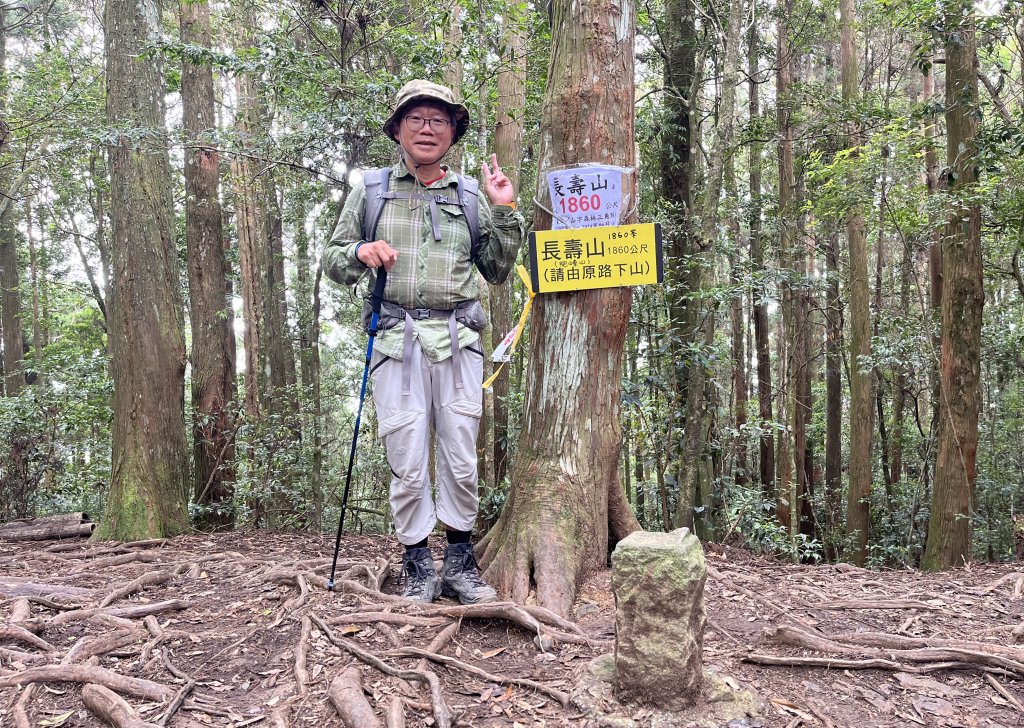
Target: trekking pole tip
330 585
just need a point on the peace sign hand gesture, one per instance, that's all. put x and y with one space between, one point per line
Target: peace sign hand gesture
497 186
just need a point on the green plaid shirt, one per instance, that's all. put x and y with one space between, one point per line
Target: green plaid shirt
428 273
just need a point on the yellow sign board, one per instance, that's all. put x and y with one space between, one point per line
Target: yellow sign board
597 257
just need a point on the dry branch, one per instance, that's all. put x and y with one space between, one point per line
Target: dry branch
877 604
146 689
558 695
19 656
346 694
108 706
1005 693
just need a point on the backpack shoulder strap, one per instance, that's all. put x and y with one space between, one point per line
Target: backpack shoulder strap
469 199
376 183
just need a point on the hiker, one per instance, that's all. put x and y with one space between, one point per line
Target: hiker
430 229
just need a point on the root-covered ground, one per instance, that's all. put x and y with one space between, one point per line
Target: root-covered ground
237 629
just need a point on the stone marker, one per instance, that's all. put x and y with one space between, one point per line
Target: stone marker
658 582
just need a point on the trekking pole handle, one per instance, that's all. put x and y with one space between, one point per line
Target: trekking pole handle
378 290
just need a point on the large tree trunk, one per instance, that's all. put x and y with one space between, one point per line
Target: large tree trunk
963 298
213 336
149 464
858 515
567 494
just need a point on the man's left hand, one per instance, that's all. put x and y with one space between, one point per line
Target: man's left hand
498 187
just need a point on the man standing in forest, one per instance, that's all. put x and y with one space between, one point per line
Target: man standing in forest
429 227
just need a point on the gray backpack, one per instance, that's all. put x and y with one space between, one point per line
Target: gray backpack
377 194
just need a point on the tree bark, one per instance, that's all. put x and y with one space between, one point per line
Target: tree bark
149 463
963 299
833 400
766 442
508 143
785 59
567 493
213 336
858 515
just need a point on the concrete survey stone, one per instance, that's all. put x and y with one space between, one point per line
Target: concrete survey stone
658 581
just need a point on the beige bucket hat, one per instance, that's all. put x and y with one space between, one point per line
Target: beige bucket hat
421 90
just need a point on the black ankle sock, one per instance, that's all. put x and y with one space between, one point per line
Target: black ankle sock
418 545
455 537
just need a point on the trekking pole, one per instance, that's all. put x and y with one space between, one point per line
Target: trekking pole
375 299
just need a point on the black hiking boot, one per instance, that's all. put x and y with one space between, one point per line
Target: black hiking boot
460 576
421 581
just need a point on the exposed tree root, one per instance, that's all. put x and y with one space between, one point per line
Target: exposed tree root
395 716
21 708
133 612
146 689
301 655
442 716
150 578
100 645
110 707
951 655
18 633
558 695
346 694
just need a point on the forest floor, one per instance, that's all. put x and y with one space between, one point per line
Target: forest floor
237 629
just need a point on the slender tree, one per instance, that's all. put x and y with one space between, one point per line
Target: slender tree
858 514
211 316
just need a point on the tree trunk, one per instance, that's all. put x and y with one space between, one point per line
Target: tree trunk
682 274
567 494
858 515
149 462
833 401
10 297
508 143
787 232
963 299
213 336
766 442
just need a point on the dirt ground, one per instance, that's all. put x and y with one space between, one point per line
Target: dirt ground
237 629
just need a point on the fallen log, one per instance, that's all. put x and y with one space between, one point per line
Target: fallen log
110 707
346 694
49 528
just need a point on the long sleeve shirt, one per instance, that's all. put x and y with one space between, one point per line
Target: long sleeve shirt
428 273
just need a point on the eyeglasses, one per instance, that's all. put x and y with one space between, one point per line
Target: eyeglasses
437 124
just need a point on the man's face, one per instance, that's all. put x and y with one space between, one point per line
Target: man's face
426 145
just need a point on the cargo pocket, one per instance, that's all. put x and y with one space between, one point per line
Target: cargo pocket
394 422
466 408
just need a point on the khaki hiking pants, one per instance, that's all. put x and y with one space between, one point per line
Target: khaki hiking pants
404 424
